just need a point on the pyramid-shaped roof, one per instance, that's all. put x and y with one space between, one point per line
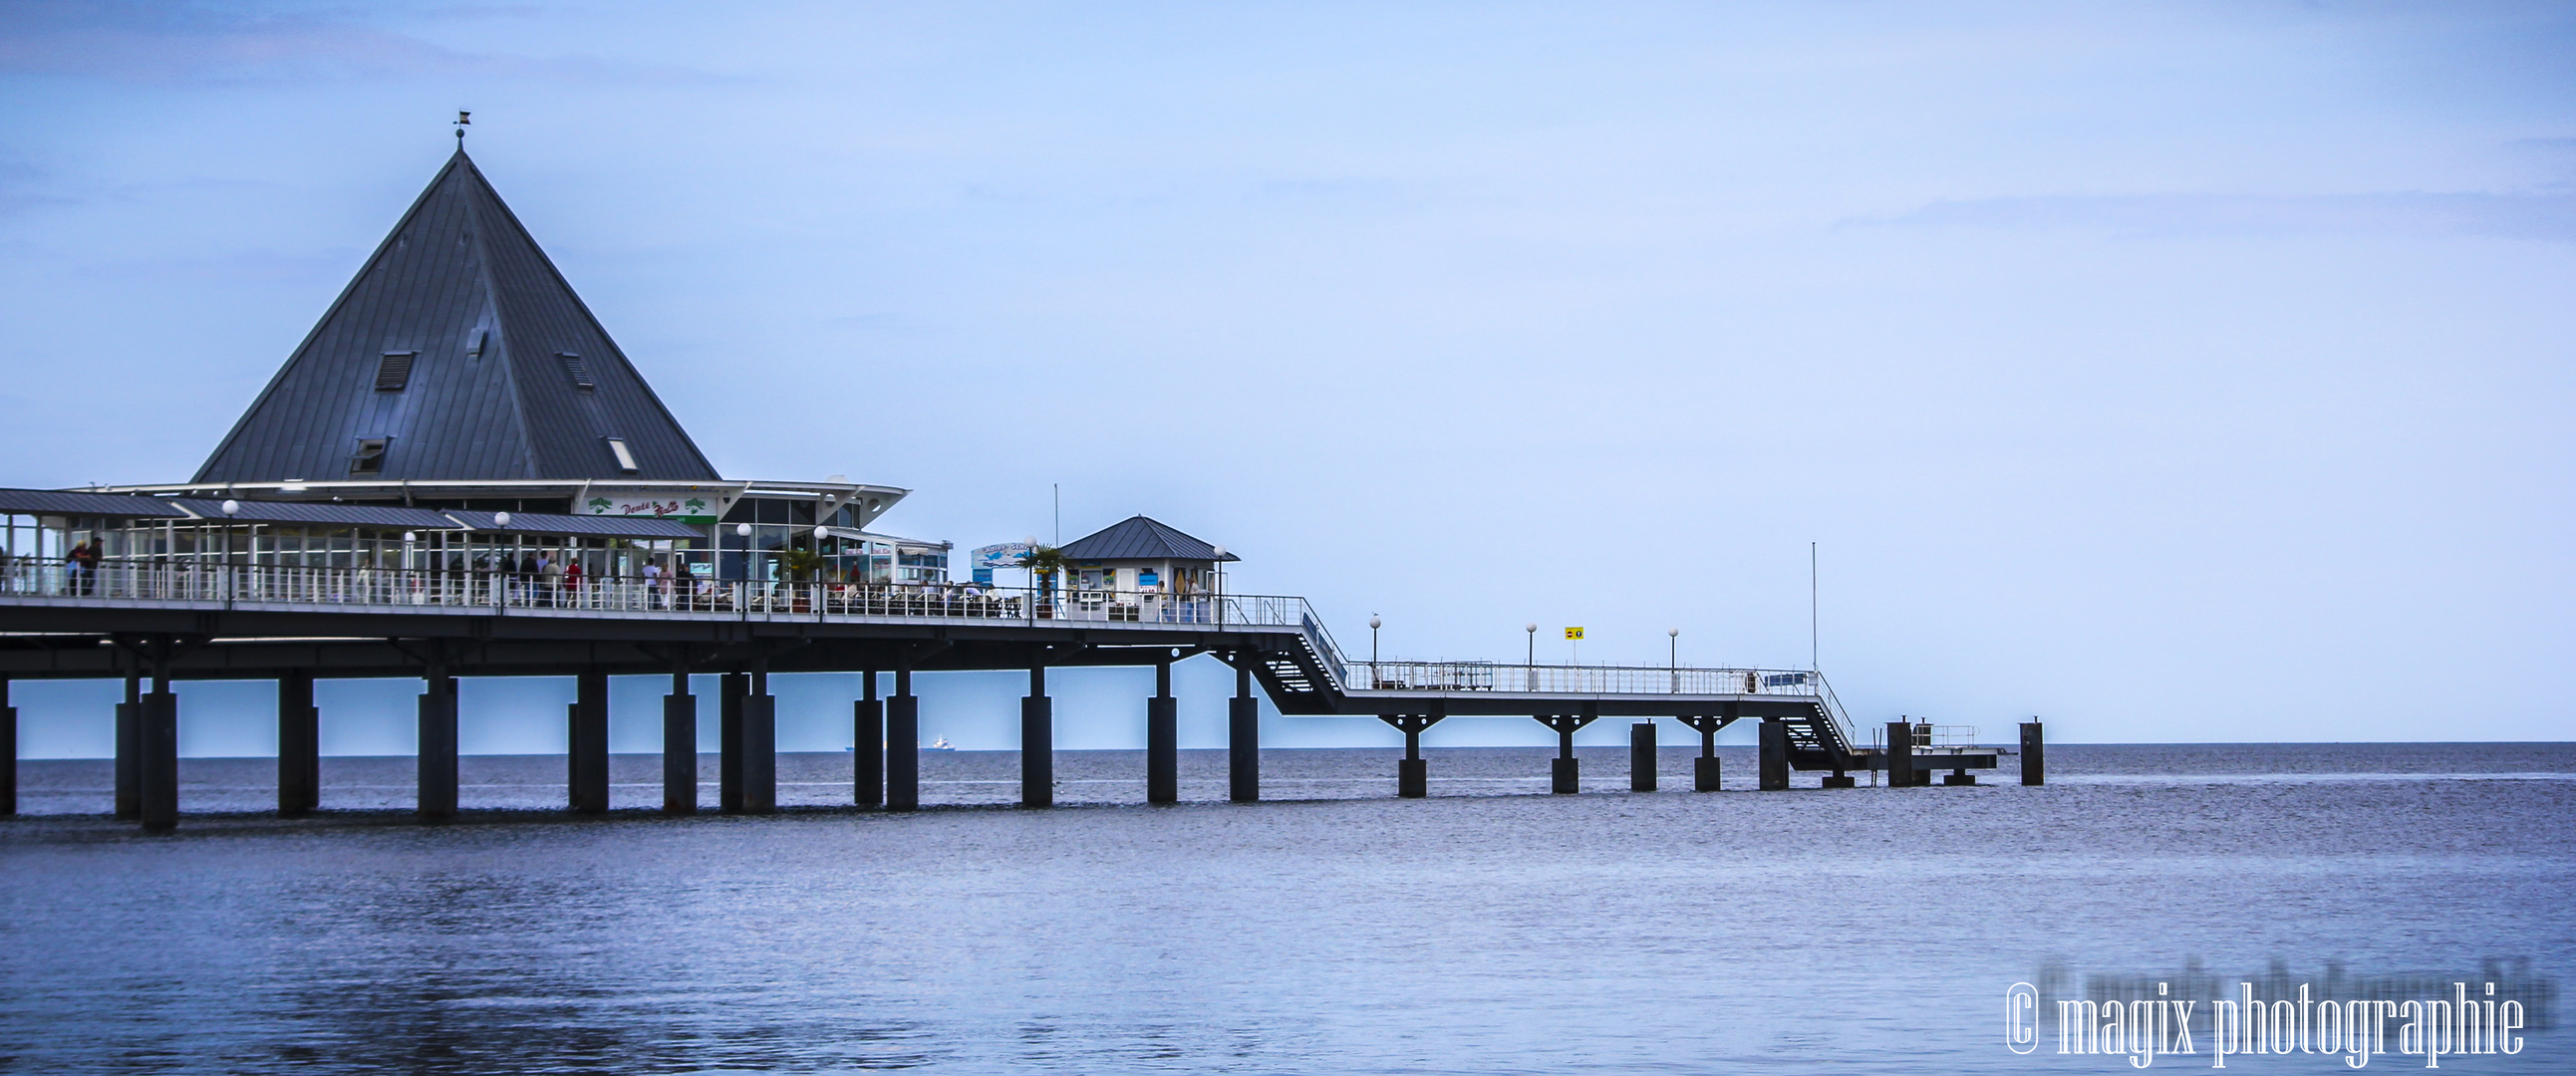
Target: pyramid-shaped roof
1139 538
464 350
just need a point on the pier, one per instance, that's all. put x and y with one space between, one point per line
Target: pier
153 627
459 474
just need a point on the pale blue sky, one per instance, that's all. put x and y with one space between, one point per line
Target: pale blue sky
2172 371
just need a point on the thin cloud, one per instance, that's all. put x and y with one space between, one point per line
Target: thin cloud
2543 216
151 43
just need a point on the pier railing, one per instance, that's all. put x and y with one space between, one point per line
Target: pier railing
395 588
1582 679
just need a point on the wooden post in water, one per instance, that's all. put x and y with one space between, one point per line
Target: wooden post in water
2034 755
1641 757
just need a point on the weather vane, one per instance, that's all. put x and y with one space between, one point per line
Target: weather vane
464 120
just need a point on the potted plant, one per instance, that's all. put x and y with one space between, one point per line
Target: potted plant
802 566
1045 562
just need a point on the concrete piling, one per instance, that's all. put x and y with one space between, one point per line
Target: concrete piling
1704 769
159 718
1037 741
679 746
867 745
129 750
732 688
2034 755
1641 757
586 744
1243 740
1162 740
438 744
1900 755
903 745
1773 770
759 744
299 747
8 753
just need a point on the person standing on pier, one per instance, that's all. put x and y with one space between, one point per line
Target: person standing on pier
82 563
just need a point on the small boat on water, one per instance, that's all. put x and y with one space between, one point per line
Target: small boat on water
940 744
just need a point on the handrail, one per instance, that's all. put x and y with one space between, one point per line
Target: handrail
1591 679
510 590
506 591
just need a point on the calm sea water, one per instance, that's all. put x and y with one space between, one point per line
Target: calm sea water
1492 928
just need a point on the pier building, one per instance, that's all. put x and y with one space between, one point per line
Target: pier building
459 473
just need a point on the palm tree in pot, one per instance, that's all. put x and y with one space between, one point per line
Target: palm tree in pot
1045 562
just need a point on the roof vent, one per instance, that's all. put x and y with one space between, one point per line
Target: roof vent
394 371
369 458
579 370
475 349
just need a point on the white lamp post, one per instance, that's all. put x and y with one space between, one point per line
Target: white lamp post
1675 659
1531 663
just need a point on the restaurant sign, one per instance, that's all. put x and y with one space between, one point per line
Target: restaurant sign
678 506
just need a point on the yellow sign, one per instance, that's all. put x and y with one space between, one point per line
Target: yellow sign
1574 633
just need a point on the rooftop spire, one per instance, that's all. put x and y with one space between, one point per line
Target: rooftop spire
458 352
464 120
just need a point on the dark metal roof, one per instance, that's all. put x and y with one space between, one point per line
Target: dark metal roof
386 516
602 526
1139 538
507 375
47 502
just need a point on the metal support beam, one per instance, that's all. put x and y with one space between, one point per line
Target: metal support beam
1706 773
679 745
1565 772
2034 754
903 745
437 739
1641 757
129 749
760 744
1413 772
1037 739
1773 770
299 747
1243 739
867 745
730 692
1162 740
586 740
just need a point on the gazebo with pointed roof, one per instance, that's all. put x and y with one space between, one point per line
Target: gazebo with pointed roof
1138 554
